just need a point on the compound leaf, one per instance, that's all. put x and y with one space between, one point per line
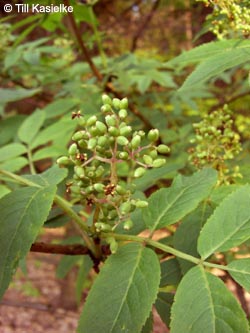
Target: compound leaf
204 304
30 127
123 293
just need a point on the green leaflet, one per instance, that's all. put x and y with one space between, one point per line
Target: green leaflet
228 226
30 127
123 293
51 176
163 306
204 304
11 150
169 205
215 66
22 214
208 50
240 271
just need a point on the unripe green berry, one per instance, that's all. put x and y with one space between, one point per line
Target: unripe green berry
163 149
91 121
99 171
120 189
101 127
75 189
123 155
147 159
79 171
153 154
73 149
92 143
123 113
82 144
125 130
102 141
110 120
63 160
102 226
78 136
125 208
124 103
141 204
153 135
94 131
106 108
99 187
113 131
113 245
81 121
136 141
128 225
122 140
139 172
159 162
116 103
106 99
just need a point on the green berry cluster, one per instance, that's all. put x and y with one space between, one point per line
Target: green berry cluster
98 147
230 18
215 143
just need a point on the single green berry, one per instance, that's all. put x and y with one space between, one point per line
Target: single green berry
110 120
122 140
125 130
124 103
136 141
141 204
147 159
123 113
128 225
106 108
99 187
91 121
116 103
101 127
123 155
163 149
139 172
106 99
92 143
79 171
63 160
73 149
159 162
125 208
153 135
113 131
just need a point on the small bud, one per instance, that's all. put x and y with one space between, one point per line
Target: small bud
122 140
163 149
139 172
159 162
116 103
153 135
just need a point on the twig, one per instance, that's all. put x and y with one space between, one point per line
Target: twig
144 25
69 249
82 46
